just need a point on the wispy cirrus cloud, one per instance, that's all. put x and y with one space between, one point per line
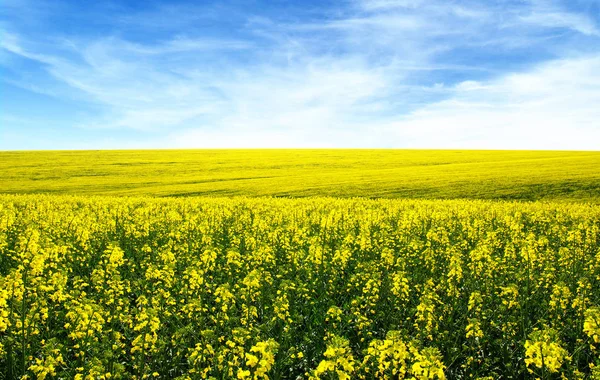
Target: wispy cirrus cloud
549 14
379 73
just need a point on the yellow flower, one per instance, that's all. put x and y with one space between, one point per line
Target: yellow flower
267 351
252 360
428 365
473 329
388 356
339 359
543 350
591 325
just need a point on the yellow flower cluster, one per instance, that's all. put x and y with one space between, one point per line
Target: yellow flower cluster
260 360
428 364
338 360
48 365
591 325
544 350
253 288
389 355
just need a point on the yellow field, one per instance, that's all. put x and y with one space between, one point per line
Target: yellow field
527 175
220 286
255 288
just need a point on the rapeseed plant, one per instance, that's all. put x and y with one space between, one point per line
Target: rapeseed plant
257 288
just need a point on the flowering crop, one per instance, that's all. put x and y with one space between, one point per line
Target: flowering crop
382 173
323 288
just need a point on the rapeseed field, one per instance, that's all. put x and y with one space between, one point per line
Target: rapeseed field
314 288
430 174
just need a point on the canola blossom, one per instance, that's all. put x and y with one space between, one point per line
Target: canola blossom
381 173
315 288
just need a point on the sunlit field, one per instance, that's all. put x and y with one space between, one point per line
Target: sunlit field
257 288
291 264
524 175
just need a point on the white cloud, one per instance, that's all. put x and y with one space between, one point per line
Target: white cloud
178 44
11 43
390 4
562 20
546 13
553 106
310 105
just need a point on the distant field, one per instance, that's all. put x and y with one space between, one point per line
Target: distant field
526 175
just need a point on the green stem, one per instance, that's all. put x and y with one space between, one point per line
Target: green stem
23 318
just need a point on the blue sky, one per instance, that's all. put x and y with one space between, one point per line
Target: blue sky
498 74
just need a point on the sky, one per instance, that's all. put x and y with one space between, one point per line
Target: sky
495 74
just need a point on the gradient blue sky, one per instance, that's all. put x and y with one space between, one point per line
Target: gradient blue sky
499 74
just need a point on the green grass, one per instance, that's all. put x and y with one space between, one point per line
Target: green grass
525 175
